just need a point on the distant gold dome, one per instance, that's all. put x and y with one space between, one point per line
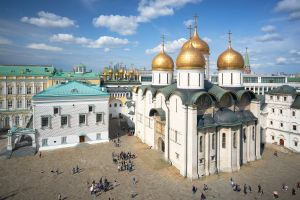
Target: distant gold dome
162 62
230 60
110 71
190 58
197 43
121 71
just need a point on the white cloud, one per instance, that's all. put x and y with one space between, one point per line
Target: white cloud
287 5
148 10
207 39
281 60
106 49
61 37
295 52
268 37
290 6
126 49
101 42
170 46
47 19
42 46
4 41
116 23
268 28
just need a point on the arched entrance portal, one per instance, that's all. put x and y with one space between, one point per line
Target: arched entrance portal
281 142
161 144
159 117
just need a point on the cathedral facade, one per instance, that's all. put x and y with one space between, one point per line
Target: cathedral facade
201 128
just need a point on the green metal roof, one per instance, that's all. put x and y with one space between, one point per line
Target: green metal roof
26 70
284 89
296 103
72 88
73 75
293 79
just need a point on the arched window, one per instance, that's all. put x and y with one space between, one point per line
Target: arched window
234 139
223 140
253 133
244 134
200 144
115 105
213 141
120 105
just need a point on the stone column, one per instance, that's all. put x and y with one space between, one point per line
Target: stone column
184 170
238 147
167 133
206 152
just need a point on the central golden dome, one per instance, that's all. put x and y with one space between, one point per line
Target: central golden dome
197 43
190 58
230 59
162 62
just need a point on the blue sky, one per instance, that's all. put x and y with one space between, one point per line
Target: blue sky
96 33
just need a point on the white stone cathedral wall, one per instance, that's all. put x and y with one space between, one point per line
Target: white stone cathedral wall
162 77
237 78
115 111
190 79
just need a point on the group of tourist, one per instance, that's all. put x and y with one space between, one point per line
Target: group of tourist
205 189
117 142
123 160
247 188
76 170
102 186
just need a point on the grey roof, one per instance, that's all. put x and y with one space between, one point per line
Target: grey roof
205 121
158 111
129 103
225 116
245 116
284 89
296 103
131 112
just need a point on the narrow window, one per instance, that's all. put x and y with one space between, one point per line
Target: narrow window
55 110
200 144
284 98
253 133
213 141
44 142
115 105
281 124
199 79
273 137
90 108
234 140
98 136
45 122
231 78
223 140
99 117
294 127
244 134
188 79
280 111
293 113
295 143
64 120
81 119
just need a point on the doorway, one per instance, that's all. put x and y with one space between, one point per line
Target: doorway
281 142
81 138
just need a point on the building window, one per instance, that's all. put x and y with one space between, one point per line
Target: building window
28 90
201 160
280 111
294 127
284 98
19 90
17 120
201 144
44 142
281 124
234 139
9 90
90 108
271 122
19 103
28 103
293 113
98 136
212 157
278 98
82 119
64 120
110 105
244 134
99 117
271 97
213 141
223 140
273 137
120 105
273 110
45 122
177 155
253 133
295 143
64 140
116 105
9 104
55 110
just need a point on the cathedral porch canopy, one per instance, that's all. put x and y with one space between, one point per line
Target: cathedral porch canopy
158 111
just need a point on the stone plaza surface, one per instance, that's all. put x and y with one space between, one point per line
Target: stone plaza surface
30 177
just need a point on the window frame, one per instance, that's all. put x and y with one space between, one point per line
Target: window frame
85 119
48 122
64 140
101 121
61 120
44 142
224 140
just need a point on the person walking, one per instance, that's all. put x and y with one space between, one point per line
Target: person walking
194 189
59 197
40 155
203 197
245 189
259 188
293 191
250 189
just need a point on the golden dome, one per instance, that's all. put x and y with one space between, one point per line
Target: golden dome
197 43
110 71
190 58
162 62
230 59
121 71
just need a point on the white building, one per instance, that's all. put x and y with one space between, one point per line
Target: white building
201 128
71 113
281 117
